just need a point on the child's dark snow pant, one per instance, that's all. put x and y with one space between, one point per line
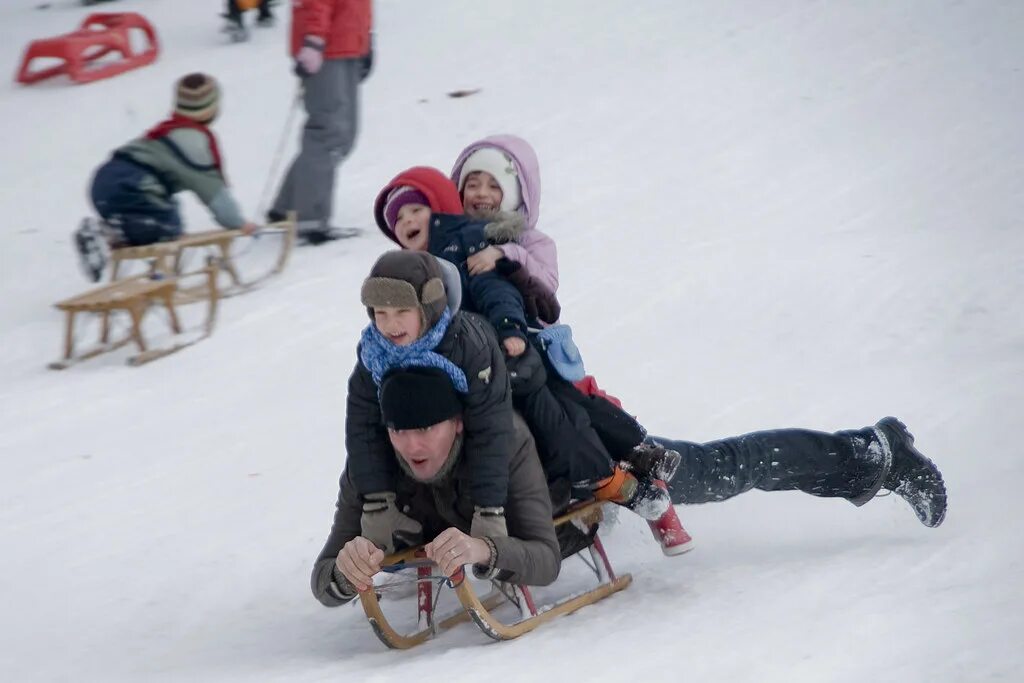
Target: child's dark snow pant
568 446
821 464
578 437
120 198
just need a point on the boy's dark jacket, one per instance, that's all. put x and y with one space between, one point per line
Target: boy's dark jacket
470 344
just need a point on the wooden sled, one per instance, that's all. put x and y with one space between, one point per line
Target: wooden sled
479 609
134 296
167 259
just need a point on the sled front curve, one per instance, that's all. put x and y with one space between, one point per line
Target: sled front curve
478 609
397 641
489 624
167 259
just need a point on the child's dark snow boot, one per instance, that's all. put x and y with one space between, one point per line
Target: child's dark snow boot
93 249
651 459
641 495
650 500
235 27
905 471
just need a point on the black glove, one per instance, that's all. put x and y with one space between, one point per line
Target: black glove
366 64
526 371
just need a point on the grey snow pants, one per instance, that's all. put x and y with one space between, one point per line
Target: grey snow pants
331 99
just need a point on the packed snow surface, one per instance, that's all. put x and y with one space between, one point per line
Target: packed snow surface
769 213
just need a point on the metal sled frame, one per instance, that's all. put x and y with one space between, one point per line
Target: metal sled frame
134 295
166 259
479 609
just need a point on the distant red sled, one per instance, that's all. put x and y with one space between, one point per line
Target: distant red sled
80 51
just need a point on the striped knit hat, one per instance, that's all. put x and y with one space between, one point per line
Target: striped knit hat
399 197
197 97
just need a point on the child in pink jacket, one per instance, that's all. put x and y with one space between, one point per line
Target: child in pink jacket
498 179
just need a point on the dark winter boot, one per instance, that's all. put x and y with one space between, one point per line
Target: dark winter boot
913 477
653 460
317 233
641 495
905 471
93 249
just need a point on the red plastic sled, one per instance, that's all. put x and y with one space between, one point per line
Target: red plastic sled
100 34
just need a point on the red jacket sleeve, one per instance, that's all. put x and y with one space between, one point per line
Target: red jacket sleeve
314 17
343 24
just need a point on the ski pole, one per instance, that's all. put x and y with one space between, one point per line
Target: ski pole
276 161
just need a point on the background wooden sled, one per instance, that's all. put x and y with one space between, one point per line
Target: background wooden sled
134 296
479 609
168 259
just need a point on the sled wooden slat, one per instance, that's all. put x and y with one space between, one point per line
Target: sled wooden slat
135 296
481 614
116 294
588 513
395 640
166 259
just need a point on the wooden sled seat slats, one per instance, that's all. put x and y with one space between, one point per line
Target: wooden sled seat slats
165 283
135 295
166 258
117 294
478 609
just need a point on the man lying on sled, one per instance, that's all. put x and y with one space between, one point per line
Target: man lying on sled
423 415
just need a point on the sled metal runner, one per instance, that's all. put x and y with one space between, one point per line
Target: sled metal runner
479 609
167 259
134 296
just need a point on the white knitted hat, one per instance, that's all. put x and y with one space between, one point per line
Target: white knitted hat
499 165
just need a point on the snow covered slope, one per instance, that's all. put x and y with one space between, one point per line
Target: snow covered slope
769 213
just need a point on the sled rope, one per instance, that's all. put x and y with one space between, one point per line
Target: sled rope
440 579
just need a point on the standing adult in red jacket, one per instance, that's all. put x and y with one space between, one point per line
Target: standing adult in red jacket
332 48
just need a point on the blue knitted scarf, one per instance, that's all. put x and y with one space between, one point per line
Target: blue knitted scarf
380 355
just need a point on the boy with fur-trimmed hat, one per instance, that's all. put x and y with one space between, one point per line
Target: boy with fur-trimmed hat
413 326
134 191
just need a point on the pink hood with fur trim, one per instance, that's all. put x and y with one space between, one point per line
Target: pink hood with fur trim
534 250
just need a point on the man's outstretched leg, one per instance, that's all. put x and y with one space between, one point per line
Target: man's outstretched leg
852 464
